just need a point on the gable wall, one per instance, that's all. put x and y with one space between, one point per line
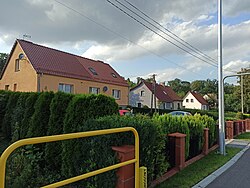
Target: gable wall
26 78
192 105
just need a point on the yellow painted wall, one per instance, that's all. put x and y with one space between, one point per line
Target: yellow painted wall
51 83
26 78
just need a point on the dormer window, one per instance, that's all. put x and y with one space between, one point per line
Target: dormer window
114 75
93 71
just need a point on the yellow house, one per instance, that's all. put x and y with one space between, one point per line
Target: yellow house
32 67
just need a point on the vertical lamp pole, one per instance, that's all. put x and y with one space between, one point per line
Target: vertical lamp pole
220 83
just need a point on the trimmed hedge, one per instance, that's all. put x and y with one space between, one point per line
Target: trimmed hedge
4 96
98 152
6 123
53 150
80 109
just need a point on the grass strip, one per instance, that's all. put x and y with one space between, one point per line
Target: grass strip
197 171
244 136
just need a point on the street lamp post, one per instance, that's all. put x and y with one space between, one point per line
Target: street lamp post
220 83
222 144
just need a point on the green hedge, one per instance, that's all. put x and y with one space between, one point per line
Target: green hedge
80 109
9 110
4 96
99 153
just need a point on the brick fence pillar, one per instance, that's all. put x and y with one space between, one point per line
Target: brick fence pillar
248 124
240 126
126 174
230 129
206 141
179 149
244 126
236 128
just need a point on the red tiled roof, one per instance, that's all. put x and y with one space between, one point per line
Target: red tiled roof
199 98
163 93
51 61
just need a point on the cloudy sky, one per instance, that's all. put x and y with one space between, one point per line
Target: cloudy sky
97 29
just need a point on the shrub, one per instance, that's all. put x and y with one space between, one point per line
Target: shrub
97 150
6 124
17 116
53 151
171 124
4 96
80 109
28 112
239 115
40 118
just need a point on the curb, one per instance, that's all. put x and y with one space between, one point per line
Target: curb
203 183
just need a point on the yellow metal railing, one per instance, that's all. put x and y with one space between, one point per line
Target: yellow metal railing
46 139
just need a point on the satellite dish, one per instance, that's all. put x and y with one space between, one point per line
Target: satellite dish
105 88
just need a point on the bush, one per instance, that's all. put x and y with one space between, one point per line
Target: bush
4 96
53 151
6 123
27 114
97 150
80 109
40 118
239 115
17 116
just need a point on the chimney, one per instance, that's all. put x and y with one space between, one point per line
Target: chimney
162 84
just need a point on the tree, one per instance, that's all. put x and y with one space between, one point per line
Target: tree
179 86
246 88
3 59
131 83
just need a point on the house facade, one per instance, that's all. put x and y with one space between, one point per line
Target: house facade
36 68
194 100
142 95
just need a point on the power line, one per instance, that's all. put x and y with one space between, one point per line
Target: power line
196 49
117 34
159 34
199 52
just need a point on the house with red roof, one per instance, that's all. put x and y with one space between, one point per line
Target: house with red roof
145 92
194 100
33 67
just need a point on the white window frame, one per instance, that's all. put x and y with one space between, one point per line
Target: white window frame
94 90
67 88
17 65
142 93
116 93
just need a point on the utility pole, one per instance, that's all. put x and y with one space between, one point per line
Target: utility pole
154 88
153 97
242 94
220 84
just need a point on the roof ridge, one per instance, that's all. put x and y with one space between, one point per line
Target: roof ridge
60 51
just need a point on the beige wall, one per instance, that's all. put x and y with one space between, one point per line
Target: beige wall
25 79
50 83
191 105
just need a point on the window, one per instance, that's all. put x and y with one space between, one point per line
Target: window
114 75
93 71
187 100
142 93
94 90
17 65
116 94
67 88
192 100
15 87
7 87
139 105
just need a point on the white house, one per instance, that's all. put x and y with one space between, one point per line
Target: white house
194 100
141 95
